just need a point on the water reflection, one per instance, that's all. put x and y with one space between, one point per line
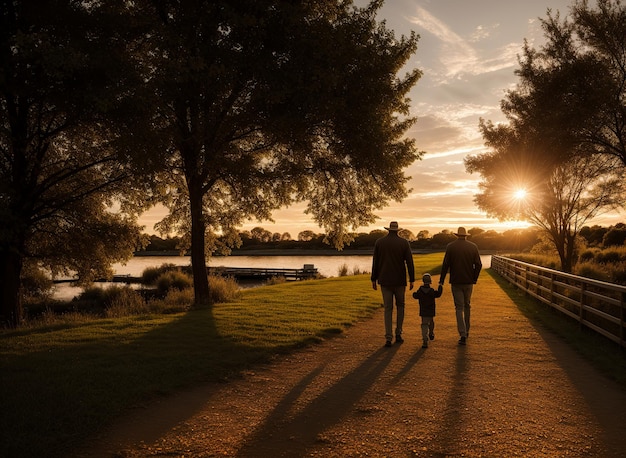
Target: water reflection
327 266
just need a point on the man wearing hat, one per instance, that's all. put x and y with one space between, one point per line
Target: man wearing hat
392 259
463 261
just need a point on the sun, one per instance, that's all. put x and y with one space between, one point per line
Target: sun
520 194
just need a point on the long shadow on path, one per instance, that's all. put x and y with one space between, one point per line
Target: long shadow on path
295 433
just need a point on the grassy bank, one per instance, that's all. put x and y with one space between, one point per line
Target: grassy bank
601 352
63 382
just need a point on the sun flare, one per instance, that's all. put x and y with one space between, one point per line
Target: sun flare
520 194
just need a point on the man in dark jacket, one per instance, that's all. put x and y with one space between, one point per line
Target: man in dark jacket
463 261
392 259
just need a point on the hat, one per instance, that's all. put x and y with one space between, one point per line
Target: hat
426 279
393 226
461 232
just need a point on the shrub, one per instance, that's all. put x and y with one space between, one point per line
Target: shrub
92 299
617 272
592 270
343 270
175 301
172 280
51 317
547 261
588 255
275 280
112 301
150 275
223 289
125 301
608 256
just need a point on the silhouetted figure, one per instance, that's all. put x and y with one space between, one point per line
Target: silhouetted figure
463 261
392 259
426 297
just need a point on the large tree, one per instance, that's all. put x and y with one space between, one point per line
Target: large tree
559 201
261 104
564 139
59 171
574 86
601 37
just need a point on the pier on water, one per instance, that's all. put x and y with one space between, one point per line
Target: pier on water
308 271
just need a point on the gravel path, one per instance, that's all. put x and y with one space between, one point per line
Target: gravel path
514 390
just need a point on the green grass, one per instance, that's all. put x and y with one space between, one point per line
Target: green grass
601 352
63 382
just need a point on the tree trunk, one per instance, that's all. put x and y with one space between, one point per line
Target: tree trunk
11 312
570 249
560 245
198 259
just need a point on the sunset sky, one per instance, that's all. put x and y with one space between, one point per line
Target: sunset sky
468 53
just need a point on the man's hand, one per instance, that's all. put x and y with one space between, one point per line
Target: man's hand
411 284
374 285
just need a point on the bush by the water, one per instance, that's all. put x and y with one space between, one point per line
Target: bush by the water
344 271
176 295
124 302
150 275
99 299
222 289
173 280
174 301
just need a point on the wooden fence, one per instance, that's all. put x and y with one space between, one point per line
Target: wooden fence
598 305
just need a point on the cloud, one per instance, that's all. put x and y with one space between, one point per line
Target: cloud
483 32
457 56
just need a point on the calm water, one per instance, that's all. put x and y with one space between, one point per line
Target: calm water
326 265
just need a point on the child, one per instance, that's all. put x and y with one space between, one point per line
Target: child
426 297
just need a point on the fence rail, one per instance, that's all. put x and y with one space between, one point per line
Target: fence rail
598 305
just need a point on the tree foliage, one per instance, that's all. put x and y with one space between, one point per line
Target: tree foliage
60 71
562 141
260 104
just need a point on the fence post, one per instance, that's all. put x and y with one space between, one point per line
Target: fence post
526 280
551 288
622 305
583 288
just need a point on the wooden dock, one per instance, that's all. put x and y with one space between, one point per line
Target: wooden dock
255 273
308 271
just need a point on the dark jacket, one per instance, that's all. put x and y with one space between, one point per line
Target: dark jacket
426 297
463 261
392 259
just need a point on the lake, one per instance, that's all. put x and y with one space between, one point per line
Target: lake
327 266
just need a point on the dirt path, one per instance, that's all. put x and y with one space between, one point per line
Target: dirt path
514 390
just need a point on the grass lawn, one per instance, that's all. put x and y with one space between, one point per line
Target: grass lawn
604 354
62 383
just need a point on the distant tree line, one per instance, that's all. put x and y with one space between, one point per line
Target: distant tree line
512 240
